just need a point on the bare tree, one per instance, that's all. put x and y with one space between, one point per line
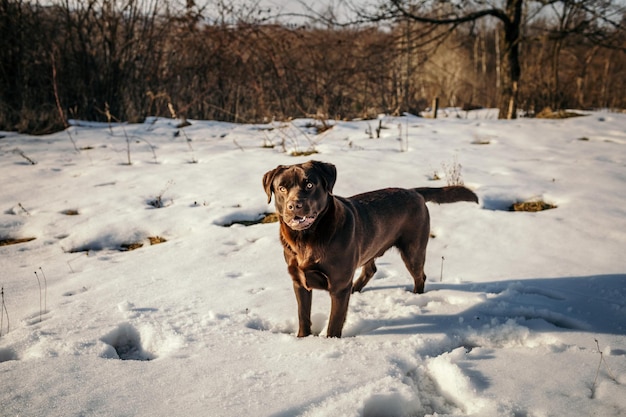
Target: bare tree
219 59
512 16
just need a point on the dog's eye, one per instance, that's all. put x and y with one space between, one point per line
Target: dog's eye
282 189
309 185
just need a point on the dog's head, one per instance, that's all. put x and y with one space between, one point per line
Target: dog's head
301 191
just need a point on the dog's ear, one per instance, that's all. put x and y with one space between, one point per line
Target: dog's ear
328 173
268 181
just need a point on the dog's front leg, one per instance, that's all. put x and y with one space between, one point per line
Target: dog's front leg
338 311
304 298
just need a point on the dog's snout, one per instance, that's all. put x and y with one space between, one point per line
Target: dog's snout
295 205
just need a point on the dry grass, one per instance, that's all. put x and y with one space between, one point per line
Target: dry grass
266 218
453 172
14 241
270 218
547 113
320 125
304 153
532 206
155 240
123 247
479 140
130 246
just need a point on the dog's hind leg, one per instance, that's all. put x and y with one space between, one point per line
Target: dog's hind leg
367 272
413 253
414 261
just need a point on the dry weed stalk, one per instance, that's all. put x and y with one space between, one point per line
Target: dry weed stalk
23 155
441 273
22 207
453 172
111 118
58 103
289 132
45 294
3 312
404 141
158 201
608 370
41 310
182 126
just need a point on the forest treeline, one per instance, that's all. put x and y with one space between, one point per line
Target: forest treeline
126 60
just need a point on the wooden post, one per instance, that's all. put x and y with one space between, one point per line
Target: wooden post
435 107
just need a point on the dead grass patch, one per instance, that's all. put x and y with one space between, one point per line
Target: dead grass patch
304 153
548 113
320 126
14 241
532 206
266 218
123 247
127 247
481 141
155 240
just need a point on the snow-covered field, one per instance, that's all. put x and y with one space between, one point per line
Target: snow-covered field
524 313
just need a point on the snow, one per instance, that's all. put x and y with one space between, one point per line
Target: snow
524 314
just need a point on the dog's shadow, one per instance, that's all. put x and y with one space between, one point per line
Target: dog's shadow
590 304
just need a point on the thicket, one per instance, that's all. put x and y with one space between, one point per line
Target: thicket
130 59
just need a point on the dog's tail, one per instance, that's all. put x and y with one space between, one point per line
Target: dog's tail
450 194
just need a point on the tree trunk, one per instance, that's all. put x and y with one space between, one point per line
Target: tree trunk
510 63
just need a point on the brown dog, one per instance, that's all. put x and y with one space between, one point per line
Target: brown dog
326 238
